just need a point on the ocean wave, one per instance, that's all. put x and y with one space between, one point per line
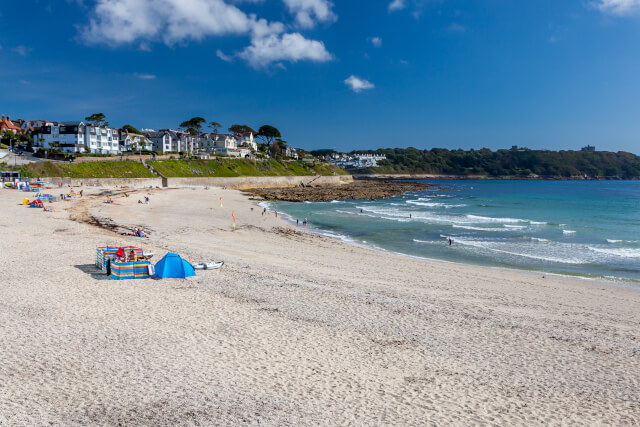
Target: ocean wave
538 239
487 246
618 252
614 241
469 227
568 232
490 219
427 204
515 227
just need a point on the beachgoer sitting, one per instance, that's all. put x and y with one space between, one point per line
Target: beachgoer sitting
132 256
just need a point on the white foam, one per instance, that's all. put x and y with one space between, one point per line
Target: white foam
618 252
516 227
469 227
487 245
490 219
568 231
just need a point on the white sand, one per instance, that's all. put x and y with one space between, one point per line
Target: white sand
295 329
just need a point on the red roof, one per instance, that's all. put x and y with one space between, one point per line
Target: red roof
6 124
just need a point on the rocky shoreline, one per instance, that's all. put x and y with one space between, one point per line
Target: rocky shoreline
370 189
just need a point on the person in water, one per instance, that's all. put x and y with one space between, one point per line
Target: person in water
450 241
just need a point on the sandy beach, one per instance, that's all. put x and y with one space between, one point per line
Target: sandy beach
295 329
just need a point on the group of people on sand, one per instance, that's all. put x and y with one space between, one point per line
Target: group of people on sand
146 200
130 257
137 232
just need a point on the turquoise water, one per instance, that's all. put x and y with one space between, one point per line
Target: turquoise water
583 228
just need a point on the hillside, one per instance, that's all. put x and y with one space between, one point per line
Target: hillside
124 169
174 168
564 164
241 167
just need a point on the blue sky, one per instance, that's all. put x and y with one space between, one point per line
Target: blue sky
343 74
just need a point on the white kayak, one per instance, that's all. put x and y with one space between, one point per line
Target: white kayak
208 265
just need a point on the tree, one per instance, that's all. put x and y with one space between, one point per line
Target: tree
97 119
240 129
276 147
193 125
131 129
215 126
268 134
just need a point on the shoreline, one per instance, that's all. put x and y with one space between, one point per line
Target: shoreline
295 329
481 177
349 240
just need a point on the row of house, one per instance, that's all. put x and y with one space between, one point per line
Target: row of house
356 161
81 137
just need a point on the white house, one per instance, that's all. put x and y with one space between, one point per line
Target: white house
162 141
134 142
246 140
77 137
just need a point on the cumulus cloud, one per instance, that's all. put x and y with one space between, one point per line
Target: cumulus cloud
145 76
397 5
284 47
619 7
307 12
357 84
376 41
118 22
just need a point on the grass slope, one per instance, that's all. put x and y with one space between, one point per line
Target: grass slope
241 167
125 169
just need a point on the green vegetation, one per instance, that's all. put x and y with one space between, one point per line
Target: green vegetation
97 119
507 162
124 169
131 129
241 167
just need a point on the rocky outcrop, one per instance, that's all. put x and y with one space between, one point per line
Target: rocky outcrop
361 190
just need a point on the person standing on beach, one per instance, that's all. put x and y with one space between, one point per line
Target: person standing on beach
304 223
297 221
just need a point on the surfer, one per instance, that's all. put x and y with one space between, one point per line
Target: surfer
450 241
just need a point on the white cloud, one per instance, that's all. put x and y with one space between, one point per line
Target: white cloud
226 58
145 76
118 22
291 47
357 84
619 7
22 50
309 11
397 5
376 41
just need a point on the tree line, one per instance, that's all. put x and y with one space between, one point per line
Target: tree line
545 163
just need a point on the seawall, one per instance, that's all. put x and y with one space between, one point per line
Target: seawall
246 182
237 183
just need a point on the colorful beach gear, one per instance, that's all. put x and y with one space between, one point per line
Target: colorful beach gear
173 267
129 270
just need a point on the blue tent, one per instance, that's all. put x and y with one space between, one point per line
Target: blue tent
173 267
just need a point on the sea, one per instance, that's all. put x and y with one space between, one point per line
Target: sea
589 229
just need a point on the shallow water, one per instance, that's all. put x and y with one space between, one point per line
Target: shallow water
583 228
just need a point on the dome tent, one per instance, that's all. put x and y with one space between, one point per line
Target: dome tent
173 267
